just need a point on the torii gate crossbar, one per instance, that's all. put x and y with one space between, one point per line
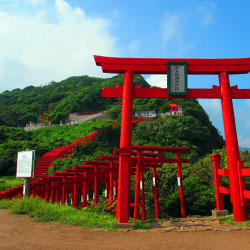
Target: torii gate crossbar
221 67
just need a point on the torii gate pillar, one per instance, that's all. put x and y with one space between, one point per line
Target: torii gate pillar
125 149
232 147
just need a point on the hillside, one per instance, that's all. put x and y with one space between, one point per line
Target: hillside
13 140
57 99
83 94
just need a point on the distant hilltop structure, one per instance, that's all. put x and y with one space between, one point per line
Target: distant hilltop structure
80 117
71 119
174 110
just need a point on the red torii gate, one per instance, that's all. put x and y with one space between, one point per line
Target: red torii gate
221 67
44 118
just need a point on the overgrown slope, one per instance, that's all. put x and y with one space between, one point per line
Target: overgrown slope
13 140
57 99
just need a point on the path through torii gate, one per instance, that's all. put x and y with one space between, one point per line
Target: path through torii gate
221 67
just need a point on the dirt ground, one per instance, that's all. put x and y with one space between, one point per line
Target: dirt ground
22 232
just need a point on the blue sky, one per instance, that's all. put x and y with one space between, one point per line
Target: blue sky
45 40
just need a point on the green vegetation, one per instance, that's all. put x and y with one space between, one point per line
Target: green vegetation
57 99
6 204
43 211
139 225
106 140
177 131
7 182
13 140
198 185
83 94
230 220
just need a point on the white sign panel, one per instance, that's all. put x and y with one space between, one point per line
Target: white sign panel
25 163
177 78
179 181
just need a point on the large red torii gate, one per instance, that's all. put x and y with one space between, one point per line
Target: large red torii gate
221 67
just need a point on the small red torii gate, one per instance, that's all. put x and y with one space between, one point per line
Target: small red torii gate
44 118
221 67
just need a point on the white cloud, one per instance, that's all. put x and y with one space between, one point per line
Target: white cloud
243 141
214 111
134 46
170 27
172 34
35 51
248 103
213 106
157 80
207 12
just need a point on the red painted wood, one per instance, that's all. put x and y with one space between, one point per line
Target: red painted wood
159 65
125 149
97 163
155 185
224 190
159 148
245 172
182 201
111 183
213 93
242 183
137 191
246 194
143 215
216 158
222 171
232 147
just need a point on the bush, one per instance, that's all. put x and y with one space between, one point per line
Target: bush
25 206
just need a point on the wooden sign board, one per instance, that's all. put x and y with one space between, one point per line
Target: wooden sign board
177 78
25 164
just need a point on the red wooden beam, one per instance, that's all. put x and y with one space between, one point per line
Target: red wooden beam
159 148
116 151
213 93
97 163
224 190
159 65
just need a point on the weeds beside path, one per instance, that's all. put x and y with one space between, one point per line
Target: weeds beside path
43 211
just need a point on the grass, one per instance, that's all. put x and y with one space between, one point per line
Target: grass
229 219
91 217
43 211
5 204
139 225
7 182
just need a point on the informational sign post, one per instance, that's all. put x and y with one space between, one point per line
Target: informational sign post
177 78
25 169
25 164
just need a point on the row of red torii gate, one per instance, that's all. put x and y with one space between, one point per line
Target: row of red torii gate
221 67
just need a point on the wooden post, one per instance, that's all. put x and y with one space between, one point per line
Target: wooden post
180 184
155 185
125 149
232 147
216 158
142 196
26 187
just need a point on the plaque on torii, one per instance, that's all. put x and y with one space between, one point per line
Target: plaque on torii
221 67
